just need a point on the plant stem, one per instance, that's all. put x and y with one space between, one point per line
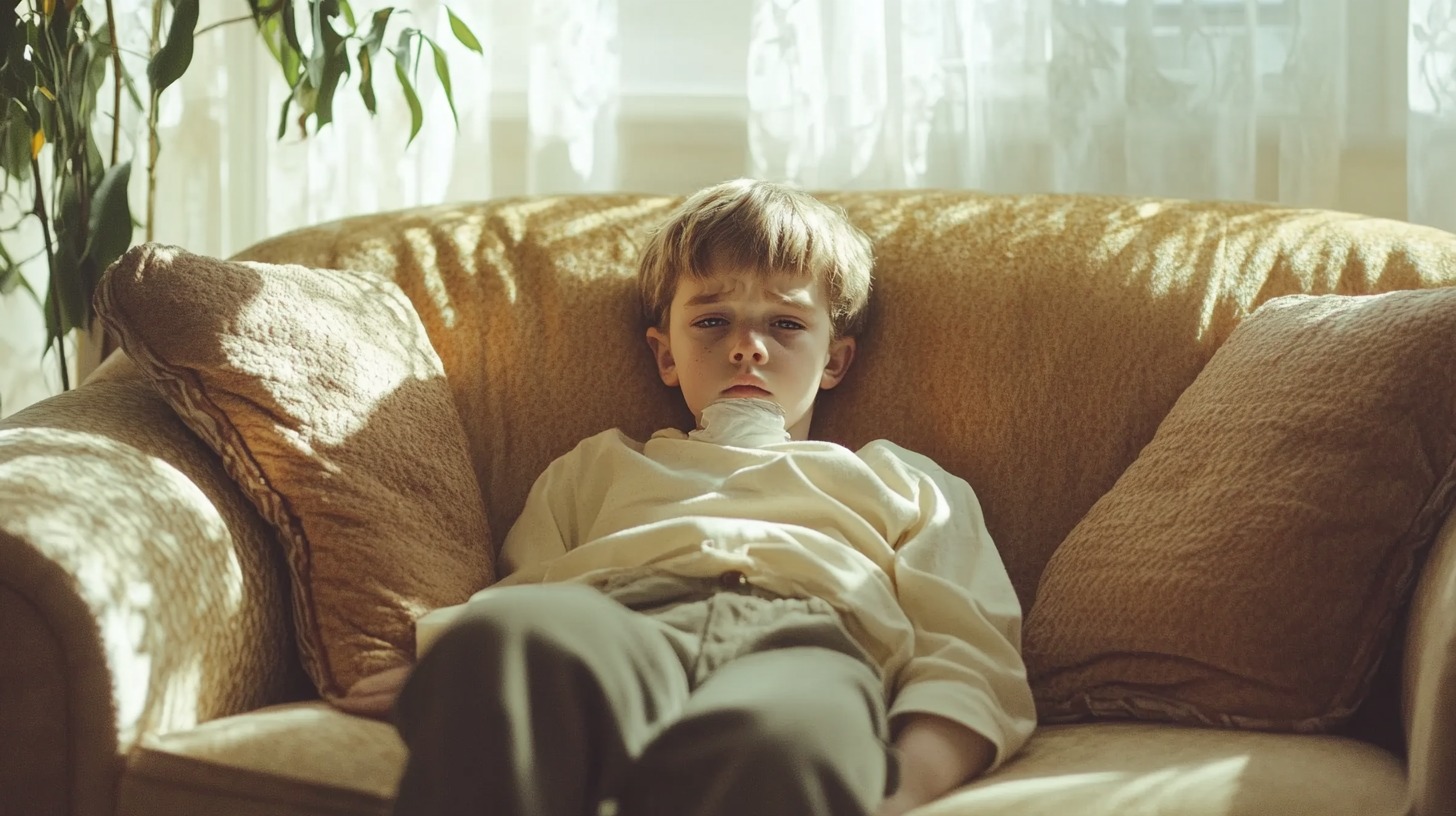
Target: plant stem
55 295
116 92
153 149
218 24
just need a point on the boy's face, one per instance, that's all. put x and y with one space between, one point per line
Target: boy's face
735 334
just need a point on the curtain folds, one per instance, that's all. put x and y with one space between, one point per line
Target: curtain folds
1348 104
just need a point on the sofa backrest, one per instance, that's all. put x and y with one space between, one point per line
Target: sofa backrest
1030 344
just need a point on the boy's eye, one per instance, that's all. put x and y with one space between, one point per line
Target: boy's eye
718 322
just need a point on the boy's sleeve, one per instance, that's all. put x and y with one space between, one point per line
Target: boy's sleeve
547 525
966 663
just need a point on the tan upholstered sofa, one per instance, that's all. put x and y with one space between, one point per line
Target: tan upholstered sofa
1032 344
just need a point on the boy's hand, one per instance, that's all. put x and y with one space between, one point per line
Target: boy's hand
374 696
937 755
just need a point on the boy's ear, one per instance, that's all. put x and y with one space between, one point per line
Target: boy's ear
841 354
662 353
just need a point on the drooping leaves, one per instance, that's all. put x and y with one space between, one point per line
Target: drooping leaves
175 55
54 66
339 42
442 71
463 33
417 114
110 227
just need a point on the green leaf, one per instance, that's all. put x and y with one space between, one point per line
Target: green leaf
403 54
67 288
320 49
15 136
172 60
442 70
375 38
95 162
366 80
290 26
283 117
95 73
417 115
348 15
110 230
335 66
269 29
463 33
44 114
17 72
292 64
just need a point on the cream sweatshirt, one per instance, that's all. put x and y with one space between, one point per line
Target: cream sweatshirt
890 539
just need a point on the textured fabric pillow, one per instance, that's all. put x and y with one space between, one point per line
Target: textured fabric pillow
1247 568
320 391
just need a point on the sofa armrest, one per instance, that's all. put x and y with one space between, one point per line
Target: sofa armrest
1429 681
140 593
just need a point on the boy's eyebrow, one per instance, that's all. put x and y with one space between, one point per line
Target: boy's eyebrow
708 298
704 299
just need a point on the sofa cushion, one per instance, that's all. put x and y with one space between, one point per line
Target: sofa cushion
1146 769
306 758
321 393
1247 569
298 758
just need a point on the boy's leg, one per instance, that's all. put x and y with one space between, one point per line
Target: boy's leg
797 731
532 704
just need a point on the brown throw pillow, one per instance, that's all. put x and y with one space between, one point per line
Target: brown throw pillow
323 396
1247 568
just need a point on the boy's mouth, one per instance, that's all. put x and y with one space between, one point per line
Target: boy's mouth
745 390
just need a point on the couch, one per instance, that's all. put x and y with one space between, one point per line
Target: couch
1032 344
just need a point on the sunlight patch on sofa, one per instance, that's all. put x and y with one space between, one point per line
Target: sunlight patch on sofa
1211 785
76 482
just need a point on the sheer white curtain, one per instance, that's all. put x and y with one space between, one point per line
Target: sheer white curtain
1348 104
1144 97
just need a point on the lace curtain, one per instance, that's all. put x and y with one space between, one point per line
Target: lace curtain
1348 104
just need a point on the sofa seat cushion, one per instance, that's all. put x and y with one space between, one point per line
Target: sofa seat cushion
308 758
1146 769
285 760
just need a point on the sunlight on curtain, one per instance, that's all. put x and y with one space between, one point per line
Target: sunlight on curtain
572 97
1330 103
1111 96
1431 132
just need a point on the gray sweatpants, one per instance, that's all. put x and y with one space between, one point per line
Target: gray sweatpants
661 697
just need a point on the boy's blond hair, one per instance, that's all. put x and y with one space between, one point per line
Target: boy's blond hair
765 227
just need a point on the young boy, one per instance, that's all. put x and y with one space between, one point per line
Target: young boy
713 622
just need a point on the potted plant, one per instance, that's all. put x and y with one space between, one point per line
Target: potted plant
61 164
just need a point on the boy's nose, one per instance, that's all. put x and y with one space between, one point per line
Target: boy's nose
749 346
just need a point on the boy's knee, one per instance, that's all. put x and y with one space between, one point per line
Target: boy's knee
809 734
829 709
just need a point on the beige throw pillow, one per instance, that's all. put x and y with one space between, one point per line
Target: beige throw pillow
329 407
1246 570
